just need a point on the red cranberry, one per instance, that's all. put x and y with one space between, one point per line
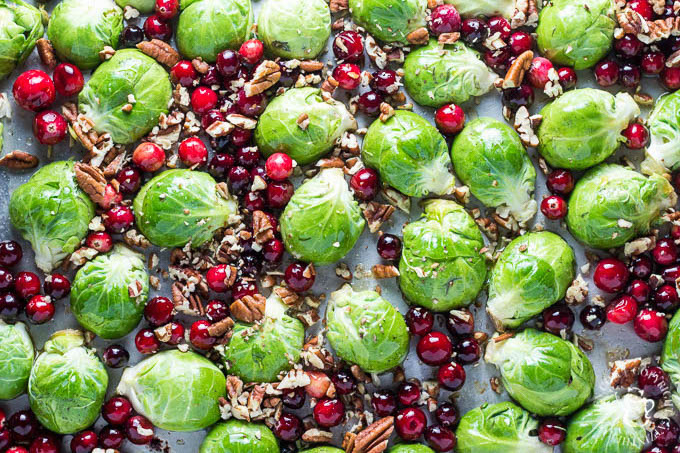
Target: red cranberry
57 286
294 398
636 136
192 152
45 443
410 423
176 333
568 77
329 412
558 318
348 76
252 51
279 166
630 75
670 78
279 193
467 351
111 437
538 72
84 442
419 320
554 207
7 280
183 73
203 99
217 277
628 47
665 433
384 403
167 9
159 311
611 275
666 298
220 164
675 231
642 267
155 28
212 78
288 427
117 410
671 274
248 156
369 103
211 117
498 60
447 415
650 325
299 276
16 450
552 432
364 184
129 179
101 241
216 310
348 45
68 80
514 98
474 31
9 305
5 438
228 63
520 42
116 356
451 376
389 247
148 157
385 82
607 73
500 25
49 127
243 288
440 439
434 348
654 382
560 181
24 426
642 7
146 342
652 62
665 252
241 137
200 337
239 178
444 19
251 105
10 253
118 219
344 382
139 430
639 290
26 285
460 322
450 119
408 393
39 309
272 251
34 90
592 317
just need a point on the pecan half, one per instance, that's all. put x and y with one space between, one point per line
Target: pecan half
220 328
160 51
262 227
18 160
373 439
46 53
311 65
288 296
419 37
376 214
518 68
92 181
249 308
266 75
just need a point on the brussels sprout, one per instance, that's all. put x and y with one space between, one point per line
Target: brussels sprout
496 428
441 265
670 356
278 129
488 8
181 206
533 272
410 448
390 20
435 76
583 127
366 330
608 425
261 351
544 373
489 157
175 390
574 34
236 436
207 27
323 450
281 23
663 152
16 359
80 30
52 213
68 383
322 221
109 293
128 73
143 6
20 28
410 154
612 204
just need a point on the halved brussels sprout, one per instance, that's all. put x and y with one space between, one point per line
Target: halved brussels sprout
663 152
366 330
608 425
175 390
52 213
441 265
544 373
296 29
435 75
495 428
488 8
109 293
612 204
143 6
237 436
16 359
670 356
20 28
410 448
583 127
260 352
390 20
323 450
128 73
489 157
410 154
181 206
207 27
80 30
322 221
68 383
533 272
576 34
278 130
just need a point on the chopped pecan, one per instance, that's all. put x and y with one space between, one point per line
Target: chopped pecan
386 112
135 289
18 160
220 328
46 53
339 5
266 75
419 36
92 181
107 53
525 14
288 296
219 129
160 51
623 373
376 214
134 238
332 162
303 121
234 387
113 167
262 227
311 65
242 121
359 374
449 38
316 436
518 68
200 66
249 308
384 271
372 439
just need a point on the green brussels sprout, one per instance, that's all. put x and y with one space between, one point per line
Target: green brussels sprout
608 425
366 330
410 154
322 221
489 158
20 28
410 448
278 129
68 383
435 76
670 356
80 30
52 213
496 428
143 6
323 450
533 272
260 352
611 205
175 390
128 73
207 27
390 20
663 153
488 8
237 436
574 34
181 206
544 373
441 265
16 359
281 23
583 127
109 293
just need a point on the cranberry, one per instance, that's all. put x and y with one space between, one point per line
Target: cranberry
607 73
183 73
146 342
272 251
5 438
560 181
369 103
211 117
665 433
118 219
167 9
474 31
68 80
217 277
111 437
348 76
520 42
655 449
139 430
389 247
348 46
45 443
148 157
203 99
192 152
39 309
665 252
670 78
639 290
131 36
622 310
642 267
650 325
451 376
9 305
117 410
498 60
116 356
26 285
410 423
467 351
49 127
7 279
592 317
666 298
176 333
252 51
514 98
365 184
344 382
568 77
279 193
155 28
444 19
279 166
558 318
129 180
101 241
294 398
329 412
84 442
628 47
671 274
288 427
299 276
248 156
434 348
447 415
450 119
239 178
419 321
408 393
636 136
212 78
34 90
243 288
642 7
385 82
228 63
251 105
552 432
652 62
24 426
200 337
538 72
384 403
440 438
460 322
611 275
159 311
16 450
654 382
630 75
554 207
10 253
220 164
675 231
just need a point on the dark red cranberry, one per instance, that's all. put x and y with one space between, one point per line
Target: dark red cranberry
650 325
239 178
26 285
408 393
348 45
444 19
498 60
6 279
259 170
434 348
5 438
84 442
410 423
183 73
155 28
642 267
242 288
45 443
552 432
146 342
636 135
279 166
176 333
611 275
554 207
10 306
451 376
514 98
24 426
39 309
251 105
450 119
665 433
666 298
642 7
652 62
628 47
252 51
385 82
568 77
447 415
365 184
129 179
441 439
299 276
118 219
159 311
369 103
665 252
592 317
467 350
272 251
248 156
389 247
419 321
474 31
211 117
294 398
288 427
329 412
655 449
216 310
131 36
630 75
384 403
500 25
34 90
220 164
639 290
10 253
254 201
560 181
607 73
116 356
348 76
56 286
279 193
111 437
212 78
117 410
539 72
520 42
460 322
200 336
139 430
671 274
344 382
654 382
558 318
670 78
68 80
228 63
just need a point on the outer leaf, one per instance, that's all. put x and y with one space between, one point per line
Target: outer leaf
663 152
181 206
389 20
435 76
612 204
20 28
129 72
583 127
16 359
143 6
670 356
52 213
410 448
278 129
487 8
323 450
441 265
410 154
366 330
533 272
236 436
281 22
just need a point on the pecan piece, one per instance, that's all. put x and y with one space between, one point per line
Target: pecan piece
288 296
373 439
160 51
419 37
92 181
386 112
448 38
18 160
339 5
518 68
249 308
311 65
316 436
376 214
220 328
262 227
46 53
266 75
384 271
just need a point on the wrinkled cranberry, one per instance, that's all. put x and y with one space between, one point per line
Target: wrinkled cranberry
441 439
7 279
220 164
665 433
629 75
652 62
10 306
111 437
498 60
514 98
628 47
670 78
294 398
46 443
239 179
344 382
666 298
642 267
23 426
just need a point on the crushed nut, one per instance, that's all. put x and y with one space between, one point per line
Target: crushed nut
266 75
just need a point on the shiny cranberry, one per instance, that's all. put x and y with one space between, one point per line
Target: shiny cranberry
252 51
611 275
146 342
630 75
434 348
200 336
26 285
636 136
248 156
24 426
444 19
101 241
288 427
558 318
159 311
148 157
299 276
16 450
560 181
212 78
408 393
554 207
389 247
500 25
538 75
117 410
294 398
447 415
242 288
7 279
279 166
628 47
203 99
239 178
155 28
241 137
279 193
498 60
474 31
329 412
384 403
228 63
568 77
216 310
348 46
665 433
670 78
10 306
642 7
167 9
552 432
450 119
460 322
514 98
39 309
139 430
217 277
220 164
385 82
193 152
348 76
272 251
654 382
68 80
369 103
45 443
116 356
111 437
665 252
655 449
607 73
652 62
344 382
176 333
183 73
592 317
5 438
49 127
129 180
666 298
118 219
451 376
467 351
520 42
10 253
131 36
419 320
251 105
365 184
639 290
84 442
410 423
650 325
441 439
34 90
642 267
671 274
